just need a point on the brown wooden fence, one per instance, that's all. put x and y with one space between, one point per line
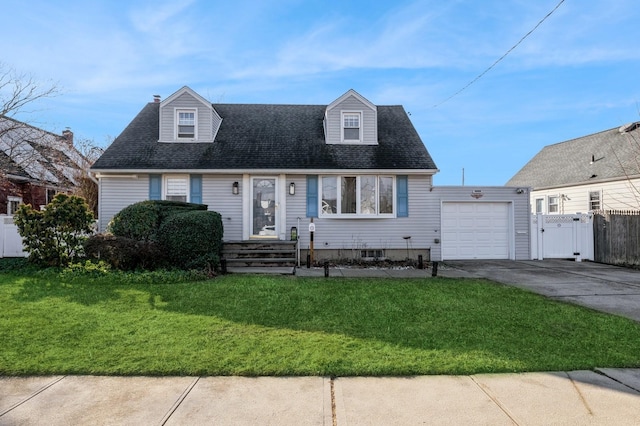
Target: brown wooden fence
616 236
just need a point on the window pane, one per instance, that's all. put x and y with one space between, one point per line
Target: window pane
352 134
386 194
187 118
351 126
553 204
329 195
348 195
594 200
176 189
539 202
352 120
368 195
186 124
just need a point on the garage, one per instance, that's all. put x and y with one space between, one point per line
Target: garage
476 230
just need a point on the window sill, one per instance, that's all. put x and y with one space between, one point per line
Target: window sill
357 216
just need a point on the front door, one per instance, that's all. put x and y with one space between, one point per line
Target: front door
264 200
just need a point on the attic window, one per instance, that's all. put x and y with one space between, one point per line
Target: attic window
186 124
351 126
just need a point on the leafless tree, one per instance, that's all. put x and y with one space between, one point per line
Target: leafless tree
27 153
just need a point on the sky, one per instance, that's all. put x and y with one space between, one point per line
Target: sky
576 74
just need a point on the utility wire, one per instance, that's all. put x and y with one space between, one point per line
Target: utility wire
501 57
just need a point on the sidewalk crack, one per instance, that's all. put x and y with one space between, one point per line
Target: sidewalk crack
496 401
33 395
582 398
178 402
334 417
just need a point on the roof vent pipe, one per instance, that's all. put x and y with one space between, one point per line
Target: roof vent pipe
156 99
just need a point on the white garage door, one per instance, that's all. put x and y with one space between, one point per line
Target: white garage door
475 230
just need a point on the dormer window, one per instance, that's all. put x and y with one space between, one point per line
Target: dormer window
186 124
351 122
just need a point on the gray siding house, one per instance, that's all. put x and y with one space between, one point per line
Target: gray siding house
358 171
600 171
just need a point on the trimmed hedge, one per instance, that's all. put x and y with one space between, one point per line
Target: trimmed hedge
141 221
183 235
125 253
193 239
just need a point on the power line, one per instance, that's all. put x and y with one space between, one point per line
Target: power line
501 57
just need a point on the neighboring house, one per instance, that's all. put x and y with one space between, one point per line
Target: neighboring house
595 172
35 165
358 171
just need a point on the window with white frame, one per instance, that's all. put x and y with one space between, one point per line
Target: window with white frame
12 204
553 204
594 200
176 188
357 196
351 122
539 205
186 123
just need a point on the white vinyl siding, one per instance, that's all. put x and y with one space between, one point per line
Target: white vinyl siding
116 193
216 193
615 195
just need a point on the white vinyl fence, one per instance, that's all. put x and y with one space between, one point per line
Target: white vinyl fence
562 236
10 240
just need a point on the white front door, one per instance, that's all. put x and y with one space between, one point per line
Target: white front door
264 199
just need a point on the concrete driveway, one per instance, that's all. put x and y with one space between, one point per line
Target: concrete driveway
606 288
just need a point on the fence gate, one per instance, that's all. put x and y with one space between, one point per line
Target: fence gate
562 236
10 240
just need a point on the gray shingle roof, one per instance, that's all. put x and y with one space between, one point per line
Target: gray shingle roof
616 155
256 136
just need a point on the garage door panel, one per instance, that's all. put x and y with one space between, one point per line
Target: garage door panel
475 230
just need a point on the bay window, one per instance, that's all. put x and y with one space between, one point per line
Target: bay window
357 196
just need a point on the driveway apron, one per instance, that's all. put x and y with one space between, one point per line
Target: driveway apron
606 288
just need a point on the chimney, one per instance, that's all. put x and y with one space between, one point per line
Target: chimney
68 136
156 99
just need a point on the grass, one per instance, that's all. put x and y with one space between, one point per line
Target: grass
54 322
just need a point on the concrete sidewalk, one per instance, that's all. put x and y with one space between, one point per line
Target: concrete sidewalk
605 397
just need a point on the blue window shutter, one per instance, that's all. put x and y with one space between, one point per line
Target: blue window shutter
155 187
402 192
195 189
312 196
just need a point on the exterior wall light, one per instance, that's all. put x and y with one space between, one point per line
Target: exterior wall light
235 190
292 188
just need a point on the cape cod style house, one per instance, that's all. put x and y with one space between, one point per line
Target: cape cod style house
600 171
356 172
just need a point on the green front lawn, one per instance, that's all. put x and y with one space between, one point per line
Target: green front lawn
124 324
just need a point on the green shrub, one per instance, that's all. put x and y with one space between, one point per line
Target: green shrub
124 253
193 240
55 235
141 221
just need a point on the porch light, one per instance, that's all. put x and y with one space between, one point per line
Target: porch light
292 188
235 190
